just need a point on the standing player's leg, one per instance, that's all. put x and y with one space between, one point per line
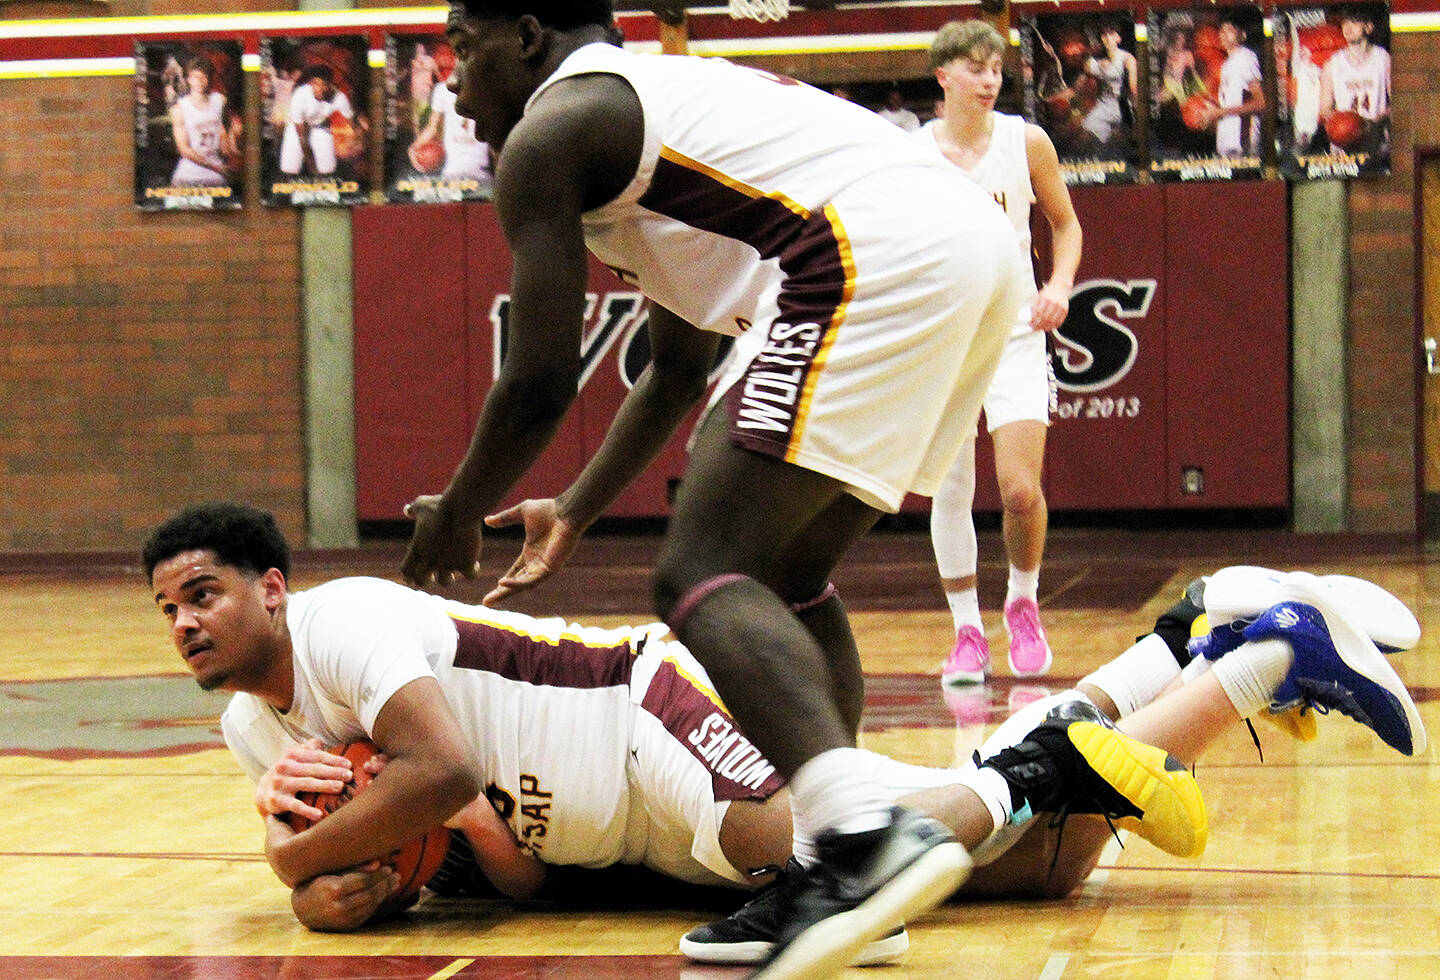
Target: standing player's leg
1019 459
952 535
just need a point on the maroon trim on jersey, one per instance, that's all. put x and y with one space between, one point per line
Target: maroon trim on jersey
563 663
767 404
737 769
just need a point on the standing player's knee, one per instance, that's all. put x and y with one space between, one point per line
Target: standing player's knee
1021 495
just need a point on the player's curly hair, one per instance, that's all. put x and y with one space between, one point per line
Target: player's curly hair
563 15
965 39
241 536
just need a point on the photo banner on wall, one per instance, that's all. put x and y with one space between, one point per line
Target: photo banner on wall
1207 93
1081 86
431 153
1332 69
189 125
315 120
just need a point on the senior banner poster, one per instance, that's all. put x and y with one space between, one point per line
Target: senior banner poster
189 125
1207 93
431 153
1332 69
1081 86
315 119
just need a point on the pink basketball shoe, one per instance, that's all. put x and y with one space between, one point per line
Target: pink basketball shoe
1030 654
969 661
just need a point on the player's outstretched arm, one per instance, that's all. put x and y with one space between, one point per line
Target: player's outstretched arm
669 387
575 149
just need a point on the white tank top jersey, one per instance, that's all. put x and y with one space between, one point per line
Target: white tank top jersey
1362 87
203 129
735 165
545 705
1004 173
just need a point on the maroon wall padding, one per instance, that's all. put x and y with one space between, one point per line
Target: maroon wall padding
1175 355
1228 341
412 417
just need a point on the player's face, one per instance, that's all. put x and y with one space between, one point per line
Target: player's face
972 82
199 81
1354 31
220 618
1229 37
489 80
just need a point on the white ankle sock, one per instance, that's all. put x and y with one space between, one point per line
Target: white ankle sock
834 791
965 609
1136 677
1023 585
1251 672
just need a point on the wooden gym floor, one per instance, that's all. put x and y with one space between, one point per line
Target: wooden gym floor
130 848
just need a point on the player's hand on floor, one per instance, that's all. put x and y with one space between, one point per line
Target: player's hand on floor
550 540
304 768
440 550
343 901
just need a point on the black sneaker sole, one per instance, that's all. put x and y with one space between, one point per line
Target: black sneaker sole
834 943
886 949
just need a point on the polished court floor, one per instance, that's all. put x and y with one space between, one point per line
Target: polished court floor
130 848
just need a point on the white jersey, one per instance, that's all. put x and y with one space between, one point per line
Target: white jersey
1361 86
735 163
1004 173
203 130
465 156
554 714
1238 135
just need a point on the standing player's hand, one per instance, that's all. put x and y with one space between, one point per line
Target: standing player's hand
440 550
1049 308
550 539
304 768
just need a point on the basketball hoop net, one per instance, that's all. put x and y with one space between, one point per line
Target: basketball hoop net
761 10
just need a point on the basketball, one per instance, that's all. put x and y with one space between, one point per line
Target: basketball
1196 112
429 156
416 862
1344 128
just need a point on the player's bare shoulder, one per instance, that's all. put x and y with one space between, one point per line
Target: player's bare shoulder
588 128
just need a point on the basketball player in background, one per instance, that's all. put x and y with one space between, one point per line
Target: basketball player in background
872 291
545 743
1016 163
1357 79
1241 98
308 145
202 136
466 158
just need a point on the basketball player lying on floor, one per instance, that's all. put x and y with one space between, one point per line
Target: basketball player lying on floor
607 746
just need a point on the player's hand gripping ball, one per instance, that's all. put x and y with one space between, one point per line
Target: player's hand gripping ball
1344 128
416 862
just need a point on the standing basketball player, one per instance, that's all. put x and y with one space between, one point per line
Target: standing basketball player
1015 162
1357 79
872 291
1241 98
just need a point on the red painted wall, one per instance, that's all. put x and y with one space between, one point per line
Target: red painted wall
1175 355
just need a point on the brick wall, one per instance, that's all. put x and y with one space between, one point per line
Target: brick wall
1383 359
149 360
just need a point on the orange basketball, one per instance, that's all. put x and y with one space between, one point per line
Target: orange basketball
429 156
416 862
1196 112
1344 128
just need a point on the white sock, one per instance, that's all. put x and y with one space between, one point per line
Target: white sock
832 791
965 609
993 791
1023 585
1251 672
1136 677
